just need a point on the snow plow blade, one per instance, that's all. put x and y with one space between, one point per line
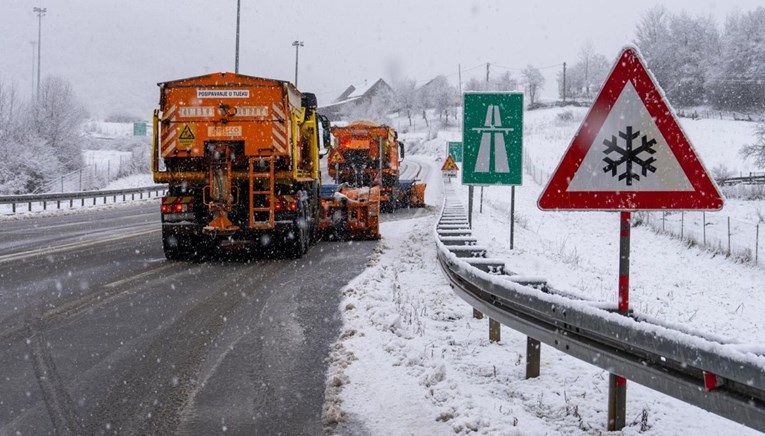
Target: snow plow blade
349 213
411 193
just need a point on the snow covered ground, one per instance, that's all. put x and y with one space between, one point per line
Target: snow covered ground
411 360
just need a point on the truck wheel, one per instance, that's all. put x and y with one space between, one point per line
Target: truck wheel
176 247
302 236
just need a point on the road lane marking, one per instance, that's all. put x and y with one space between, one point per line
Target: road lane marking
72 246
139 276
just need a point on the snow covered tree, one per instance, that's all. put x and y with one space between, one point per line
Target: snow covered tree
57 117
737 74
534 82
9 110
586 76
756 150
505 82
405 97
439 95
678 50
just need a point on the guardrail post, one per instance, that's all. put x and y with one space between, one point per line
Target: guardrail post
757 244
728 236
533 357
495 330
477 314
45 204
704 227
30 206
13 207
58 204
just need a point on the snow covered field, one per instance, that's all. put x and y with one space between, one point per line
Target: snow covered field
411 360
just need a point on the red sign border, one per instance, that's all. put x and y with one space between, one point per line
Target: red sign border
630 67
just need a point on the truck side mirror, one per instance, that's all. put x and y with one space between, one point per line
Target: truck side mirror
325 134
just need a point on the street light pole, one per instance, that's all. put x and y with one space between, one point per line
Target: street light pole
40 13
33 43
238 10
297 45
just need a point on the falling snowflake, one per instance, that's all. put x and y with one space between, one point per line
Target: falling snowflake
629 156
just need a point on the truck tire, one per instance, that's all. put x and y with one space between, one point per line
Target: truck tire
176 247
301 239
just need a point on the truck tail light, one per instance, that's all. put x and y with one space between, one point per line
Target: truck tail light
176 204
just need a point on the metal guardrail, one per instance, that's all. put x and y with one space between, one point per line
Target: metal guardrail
58 198
727 379
744 180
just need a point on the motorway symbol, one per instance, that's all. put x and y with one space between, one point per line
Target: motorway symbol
630 153
493 139
492 127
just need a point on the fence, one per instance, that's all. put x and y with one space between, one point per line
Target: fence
92 176
712 230
9 203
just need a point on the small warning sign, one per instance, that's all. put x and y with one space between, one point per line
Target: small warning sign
335 157
450 168
450 165
187 136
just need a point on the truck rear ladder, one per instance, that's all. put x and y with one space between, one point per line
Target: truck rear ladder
262 184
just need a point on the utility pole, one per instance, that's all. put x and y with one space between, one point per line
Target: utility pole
459 74
40 13
564 82
238 15
487 72
297 45
33 43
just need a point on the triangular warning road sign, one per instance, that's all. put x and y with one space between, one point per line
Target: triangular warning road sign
335 157
186 133
630 153
449 164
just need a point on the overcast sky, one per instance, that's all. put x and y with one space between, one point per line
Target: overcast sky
114 52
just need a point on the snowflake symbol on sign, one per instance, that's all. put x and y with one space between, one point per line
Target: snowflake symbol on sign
629 156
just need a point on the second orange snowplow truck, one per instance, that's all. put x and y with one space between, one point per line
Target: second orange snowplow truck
368 154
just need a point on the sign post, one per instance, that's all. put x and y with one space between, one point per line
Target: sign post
492 142
629 154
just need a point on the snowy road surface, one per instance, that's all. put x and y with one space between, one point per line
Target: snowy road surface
101 334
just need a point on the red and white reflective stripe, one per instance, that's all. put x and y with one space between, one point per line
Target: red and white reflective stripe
168 142
279 130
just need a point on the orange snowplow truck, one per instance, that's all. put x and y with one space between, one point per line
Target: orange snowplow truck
365 154
240 155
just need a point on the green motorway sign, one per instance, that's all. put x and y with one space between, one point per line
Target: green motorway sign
139 129
492 137
455 150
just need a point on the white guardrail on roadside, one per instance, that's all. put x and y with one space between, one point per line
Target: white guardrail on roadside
48 199
727 379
